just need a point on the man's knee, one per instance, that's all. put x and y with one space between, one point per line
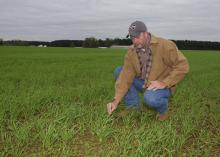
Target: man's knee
117 72
152 99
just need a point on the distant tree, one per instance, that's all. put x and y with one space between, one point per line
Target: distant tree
91 42
72 44
36 43
108 42
61 43
78 43
101 43
1 41
17 42
118 41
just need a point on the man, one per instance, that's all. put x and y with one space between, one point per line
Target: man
153 65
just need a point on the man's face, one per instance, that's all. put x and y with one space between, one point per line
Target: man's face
140 40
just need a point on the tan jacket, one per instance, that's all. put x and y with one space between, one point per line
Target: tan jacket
169 65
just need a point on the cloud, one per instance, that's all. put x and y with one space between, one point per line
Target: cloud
54 19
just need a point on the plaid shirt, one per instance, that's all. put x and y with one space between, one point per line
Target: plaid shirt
145 58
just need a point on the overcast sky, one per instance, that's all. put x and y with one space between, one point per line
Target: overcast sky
49 20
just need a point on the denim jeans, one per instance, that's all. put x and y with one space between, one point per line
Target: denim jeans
157 99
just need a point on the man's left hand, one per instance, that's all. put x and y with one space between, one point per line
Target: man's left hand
155 85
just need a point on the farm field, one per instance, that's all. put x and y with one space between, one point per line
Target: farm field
53 103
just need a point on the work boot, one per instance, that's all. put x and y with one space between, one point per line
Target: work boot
162 116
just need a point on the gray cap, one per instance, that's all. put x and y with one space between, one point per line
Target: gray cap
136 28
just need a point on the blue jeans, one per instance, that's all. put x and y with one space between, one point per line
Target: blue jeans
157 99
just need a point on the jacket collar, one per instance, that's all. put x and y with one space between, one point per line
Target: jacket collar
153 39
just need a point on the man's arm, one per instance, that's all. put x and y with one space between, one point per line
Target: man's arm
123 82
177 62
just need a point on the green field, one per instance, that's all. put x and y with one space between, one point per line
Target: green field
53 103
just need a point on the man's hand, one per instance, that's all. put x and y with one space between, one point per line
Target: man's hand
155 85
112 106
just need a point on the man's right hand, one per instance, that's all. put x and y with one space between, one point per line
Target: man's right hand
112 106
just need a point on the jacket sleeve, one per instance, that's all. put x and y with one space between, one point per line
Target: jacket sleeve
125 78
178 63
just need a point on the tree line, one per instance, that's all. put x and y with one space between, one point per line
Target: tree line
94 43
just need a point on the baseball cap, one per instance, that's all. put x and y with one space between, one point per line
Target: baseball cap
136 28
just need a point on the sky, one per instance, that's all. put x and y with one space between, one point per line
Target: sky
48 20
